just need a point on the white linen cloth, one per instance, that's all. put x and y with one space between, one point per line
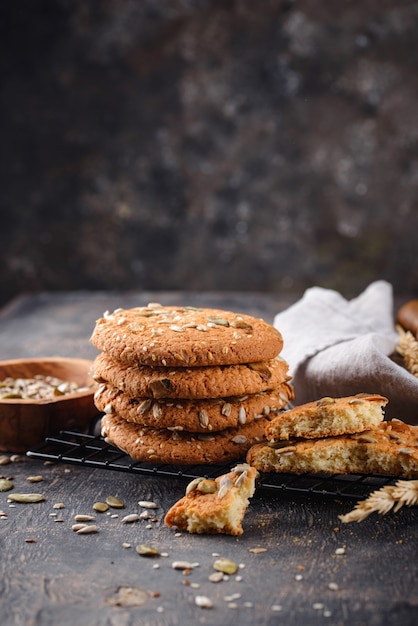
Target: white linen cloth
338 347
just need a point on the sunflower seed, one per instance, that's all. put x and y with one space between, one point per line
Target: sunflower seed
203 418
203 602
128 519
148 504
225 485
87 530
83 518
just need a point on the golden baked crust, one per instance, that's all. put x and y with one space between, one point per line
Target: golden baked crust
215 506
329 417
190 382
159 445
172 336
390 449
208 415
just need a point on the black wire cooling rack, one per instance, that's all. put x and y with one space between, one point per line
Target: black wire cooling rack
93 451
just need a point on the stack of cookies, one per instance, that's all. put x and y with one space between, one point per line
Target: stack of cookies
338 436
185 385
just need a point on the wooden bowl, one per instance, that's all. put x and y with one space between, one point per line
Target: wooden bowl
25 423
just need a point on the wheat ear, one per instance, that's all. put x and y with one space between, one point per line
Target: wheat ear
383 500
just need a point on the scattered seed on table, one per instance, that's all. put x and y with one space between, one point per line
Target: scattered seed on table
115 503
145 515
145 550
26 497
126 545
225 565
5 484
76 527
34 479
87 529
4 460
333 586
216 577
128 519
83 518
203 602
59 505
184 565
257 550
148 504
340 551
100 507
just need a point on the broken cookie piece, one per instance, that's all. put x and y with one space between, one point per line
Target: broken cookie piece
215 506
329 417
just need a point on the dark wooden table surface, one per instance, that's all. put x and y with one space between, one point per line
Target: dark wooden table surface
311 569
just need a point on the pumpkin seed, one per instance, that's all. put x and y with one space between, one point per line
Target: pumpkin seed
325 401
193 484
5 485
207 486
226 566
100 507
26 497
144 550
115 503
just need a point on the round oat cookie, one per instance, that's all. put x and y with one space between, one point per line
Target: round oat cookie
172 336
208 415
215 381
184 448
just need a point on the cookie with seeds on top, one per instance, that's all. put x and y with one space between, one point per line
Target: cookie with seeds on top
171 336
390 449
215 381
205 415
163 446
328 417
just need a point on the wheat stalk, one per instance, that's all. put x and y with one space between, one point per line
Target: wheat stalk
383 500
408 349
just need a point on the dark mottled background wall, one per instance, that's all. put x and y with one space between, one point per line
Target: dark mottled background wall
203 144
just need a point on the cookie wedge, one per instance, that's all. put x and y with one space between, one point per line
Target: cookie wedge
389 449
215 506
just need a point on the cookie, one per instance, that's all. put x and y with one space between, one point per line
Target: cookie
208 415
329 417
215 506
389 449
163 446
172 336
190 382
